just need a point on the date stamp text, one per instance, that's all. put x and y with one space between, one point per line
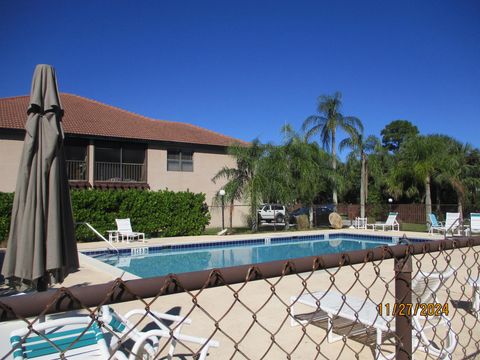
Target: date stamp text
420 309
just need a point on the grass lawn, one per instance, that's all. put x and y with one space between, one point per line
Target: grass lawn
270 228
413 227
245 230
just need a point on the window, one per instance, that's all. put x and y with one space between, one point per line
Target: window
108 155
179 161
119 162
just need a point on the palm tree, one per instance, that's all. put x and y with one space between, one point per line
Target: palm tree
326 123
360 147
233 193
459 172
274 178
243 181
379 162
472 181
306 165
421 159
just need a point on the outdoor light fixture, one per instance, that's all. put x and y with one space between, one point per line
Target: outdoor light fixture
222 194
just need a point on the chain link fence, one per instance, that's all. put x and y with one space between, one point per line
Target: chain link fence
418 299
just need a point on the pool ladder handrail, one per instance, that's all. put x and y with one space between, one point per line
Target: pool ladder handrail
99 235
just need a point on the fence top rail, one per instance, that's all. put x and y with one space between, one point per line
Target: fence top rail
65 299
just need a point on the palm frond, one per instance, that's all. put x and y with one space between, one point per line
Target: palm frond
353 123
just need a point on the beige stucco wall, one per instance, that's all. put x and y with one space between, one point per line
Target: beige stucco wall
10 154
205 166
206 163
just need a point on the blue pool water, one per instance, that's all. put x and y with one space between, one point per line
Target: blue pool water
162 260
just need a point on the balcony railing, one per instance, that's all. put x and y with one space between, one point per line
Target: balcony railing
76 170
121 172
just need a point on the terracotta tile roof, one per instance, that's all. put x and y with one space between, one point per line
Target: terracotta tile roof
89 117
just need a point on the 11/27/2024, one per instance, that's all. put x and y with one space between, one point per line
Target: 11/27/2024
409 309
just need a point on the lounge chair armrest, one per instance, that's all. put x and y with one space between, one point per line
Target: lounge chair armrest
180 337
205 343
154 315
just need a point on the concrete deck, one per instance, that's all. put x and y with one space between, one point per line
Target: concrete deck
234 315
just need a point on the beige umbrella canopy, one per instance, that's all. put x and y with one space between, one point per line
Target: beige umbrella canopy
41 246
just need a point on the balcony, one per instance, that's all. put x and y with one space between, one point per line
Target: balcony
76 170
120 173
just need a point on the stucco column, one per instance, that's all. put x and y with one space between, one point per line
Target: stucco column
91 162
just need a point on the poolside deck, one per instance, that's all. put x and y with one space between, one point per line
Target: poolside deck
234 314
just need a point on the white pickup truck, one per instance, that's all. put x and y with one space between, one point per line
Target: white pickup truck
270 212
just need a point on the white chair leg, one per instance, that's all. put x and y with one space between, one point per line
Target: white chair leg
293 321
378 346
476 300
378 343
203 353
331 337
174 342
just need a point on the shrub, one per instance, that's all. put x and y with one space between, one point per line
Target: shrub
157 213
302 222
377 207
6 203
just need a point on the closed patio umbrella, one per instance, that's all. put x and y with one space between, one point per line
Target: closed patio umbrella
41 246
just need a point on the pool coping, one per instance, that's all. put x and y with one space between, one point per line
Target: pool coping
106 268
254 239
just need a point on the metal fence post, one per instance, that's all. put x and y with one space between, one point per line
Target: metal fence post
403 295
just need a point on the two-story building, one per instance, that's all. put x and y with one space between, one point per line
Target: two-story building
107 147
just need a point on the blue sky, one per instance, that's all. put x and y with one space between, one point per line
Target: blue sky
244 68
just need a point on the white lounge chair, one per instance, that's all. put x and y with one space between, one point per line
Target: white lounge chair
125 329
434 224
391 223
452 223
125 232
360 223
474 223
85 338
364 314
475 284
82 336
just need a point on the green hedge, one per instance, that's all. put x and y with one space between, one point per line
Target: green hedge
6 203
157 213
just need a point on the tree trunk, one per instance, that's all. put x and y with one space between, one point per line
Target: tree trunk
366 179
334 166
362 188
437 195
310 216
460 204
253 209
428 198
231 214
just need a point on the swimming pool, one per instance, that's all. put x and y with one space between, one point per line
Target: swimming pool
162 260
